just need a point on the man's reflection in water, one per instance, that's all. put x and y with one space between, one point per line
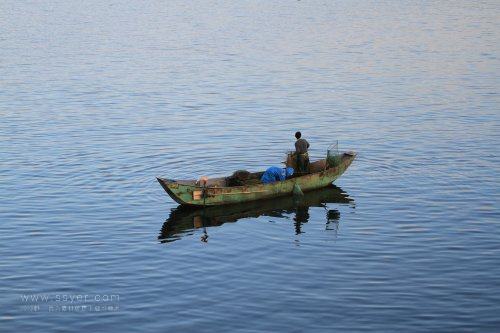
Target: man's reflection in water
301 216
184 220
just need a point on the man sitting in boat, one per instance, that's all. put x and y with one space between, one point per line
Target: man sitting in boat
301 152
274 174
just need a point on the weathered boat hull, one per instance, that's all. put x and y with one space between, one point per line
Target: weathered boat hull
186 194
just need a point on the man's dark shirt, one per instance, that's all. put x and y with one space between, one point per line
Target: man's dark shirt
301 146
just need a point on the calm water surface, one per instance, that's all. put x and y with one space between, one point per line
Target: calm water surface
97 99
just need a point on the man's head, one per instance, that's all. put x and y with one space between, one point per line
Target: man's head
289 172
298 135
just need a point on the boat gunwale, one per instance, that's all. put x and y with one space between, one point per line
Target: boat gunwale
178 182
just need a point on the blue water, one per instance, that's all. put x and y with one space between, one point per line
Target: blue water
97 99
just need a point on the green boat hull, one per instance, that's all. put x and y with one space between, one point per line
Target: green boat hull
189 193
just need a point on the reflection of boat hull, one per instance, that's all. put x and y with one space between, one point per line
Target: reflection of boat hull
185 218
189 193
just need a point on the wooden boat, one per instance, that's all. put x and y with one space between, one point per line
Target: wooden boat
217 191
183 220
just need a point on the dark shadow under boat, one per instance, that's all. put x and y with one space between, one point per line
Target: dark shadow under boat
183 220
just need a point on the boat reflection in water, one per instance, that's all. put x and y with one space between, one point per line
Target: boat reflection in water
183 220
